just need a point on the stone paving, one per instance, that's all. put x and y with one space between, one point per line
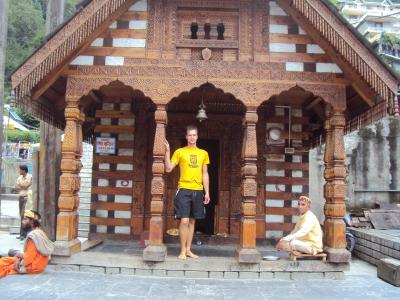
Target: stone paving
360 283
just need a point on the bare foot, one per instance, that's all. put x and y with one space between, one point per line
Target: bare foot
297 253
191 254
182 256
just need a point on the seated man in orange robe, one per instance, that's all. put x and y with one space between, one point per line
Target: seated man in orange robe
37 250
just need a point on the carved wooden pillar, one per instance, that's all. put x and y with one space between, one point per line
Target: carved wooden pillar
68 202
157 251
247 252
335 189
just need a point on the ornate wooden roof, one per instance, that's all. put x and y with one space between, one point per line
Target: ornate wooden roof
370 76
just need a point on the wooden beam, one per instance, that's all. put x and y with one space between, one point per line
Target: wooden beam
279 226
111 206
48 80
106 190
313 103
114 129
113 159
120 175
122 114
110 221
94 97
285 180
287 166
286 211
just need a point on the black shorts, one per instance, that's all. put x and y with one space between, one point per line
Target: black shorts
189 204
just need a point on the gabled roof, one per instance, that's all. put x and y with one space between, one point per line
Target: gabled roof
34 76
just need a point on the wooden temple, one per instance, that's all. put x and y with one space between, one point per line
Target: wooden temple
276 78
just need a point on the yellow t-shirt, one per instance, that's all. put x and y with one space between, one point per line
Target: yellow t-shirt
190 161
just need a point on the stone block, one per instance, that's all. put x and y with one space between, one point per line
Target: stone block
175 273
92 269
216 274
66 268
389 270
396 254
384 250
247 256
196 274
376 239
231 275
143 272
248 275
155 253
375 247
282 275
127 271
266 275
111 270
307 275
396 246
388 243
334 275
161 273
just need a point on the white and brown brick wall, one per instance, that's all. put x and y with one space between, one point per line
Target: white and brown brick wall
125 38
290 44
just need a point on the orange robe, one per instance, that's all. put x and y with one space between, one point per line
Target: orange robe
34 261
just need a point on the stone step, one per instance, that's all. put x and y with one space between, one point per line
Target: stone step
204 267
389 270
9 197
9 221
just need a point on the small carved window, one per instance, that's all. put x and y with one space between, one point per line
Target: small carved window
194 27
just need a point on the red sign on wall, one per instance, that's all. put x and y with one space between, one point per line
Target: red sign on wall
105 145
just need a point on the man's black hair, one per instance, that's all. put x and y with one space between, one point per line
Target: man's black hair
24 168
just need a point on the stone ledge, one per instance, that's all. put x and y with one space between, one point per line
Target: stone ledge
373 245
205 267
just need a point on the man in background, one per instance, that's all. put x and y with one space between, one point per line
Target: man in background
23 184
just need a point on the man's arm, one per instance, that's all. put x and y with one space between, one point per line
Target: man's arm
18 186
206 184
169 166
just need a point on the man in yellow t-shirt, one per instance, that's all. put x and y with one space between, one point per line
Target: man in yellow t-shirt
190 199
306 236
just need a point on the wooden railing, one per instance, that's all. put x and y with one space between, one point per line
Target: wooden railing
97 12
347 51
368 117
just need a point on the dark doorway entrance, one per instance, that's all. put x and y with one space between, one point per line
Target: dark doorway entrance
206 226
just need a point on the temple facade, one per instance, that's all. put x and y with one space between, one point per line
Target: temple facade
276 79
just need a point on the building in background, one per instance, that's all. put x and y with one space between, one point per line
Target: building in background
379 22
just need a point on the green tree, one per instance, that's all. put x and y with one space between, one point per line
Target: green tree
25 31
70 8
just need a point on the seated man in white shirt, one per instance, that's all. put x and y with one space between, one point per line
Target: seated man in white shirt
306 237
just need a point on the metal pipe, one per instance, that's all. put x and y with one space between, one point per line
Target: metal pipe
290 120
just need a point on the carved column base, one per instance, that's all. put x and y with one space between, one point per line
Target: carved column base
155 253
336 255
67 248
247 256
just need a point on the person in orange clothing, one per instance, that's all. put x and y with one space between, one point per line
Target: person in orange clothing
37 250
